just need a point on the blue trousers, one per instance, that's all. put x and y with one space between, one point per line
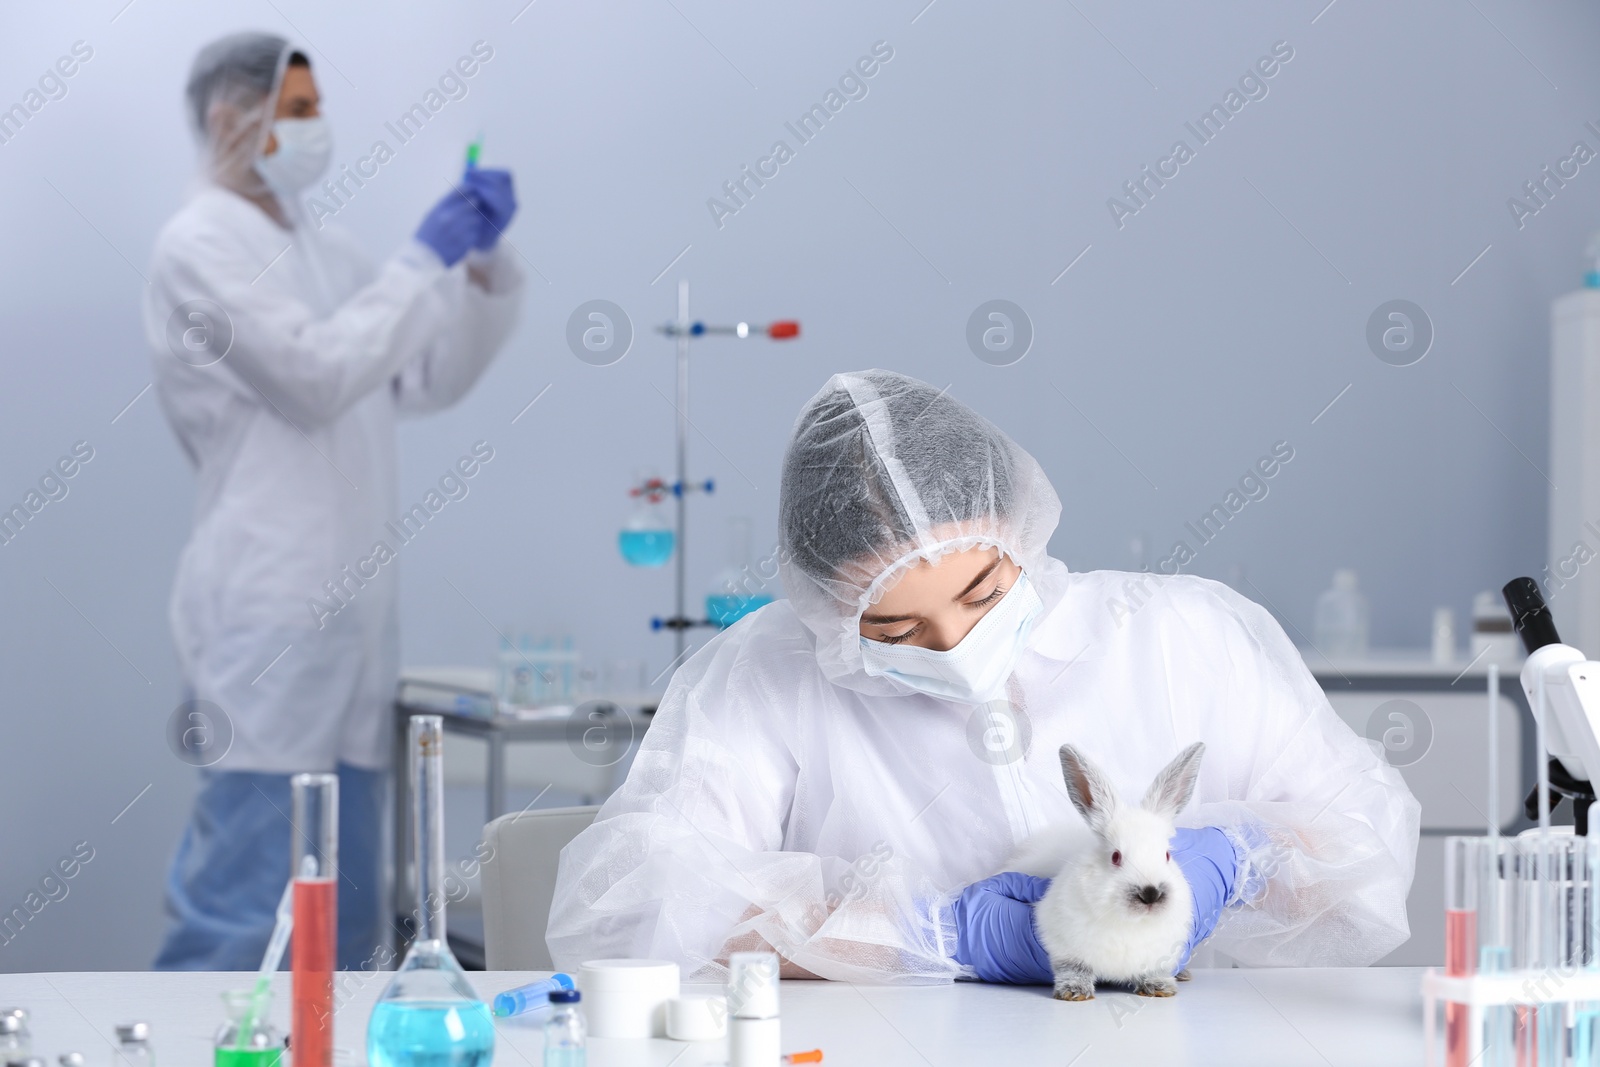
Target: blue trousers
233 862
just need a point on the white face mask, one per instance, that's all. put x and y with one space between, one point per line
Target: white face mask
975 671
304 148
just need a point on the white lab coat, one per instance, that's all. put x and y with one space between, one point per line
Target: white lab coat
837 824
292 438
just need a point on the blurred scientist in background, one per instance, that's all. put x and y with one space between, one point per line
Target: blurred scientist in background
282 358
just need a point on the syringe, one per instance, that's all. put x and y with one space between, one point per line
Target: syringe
531 996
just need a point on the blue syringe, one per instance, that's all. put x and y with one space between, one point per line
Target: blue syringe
528 997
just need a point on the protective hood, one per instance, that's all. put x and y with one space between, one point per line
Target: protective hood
882 471
232 96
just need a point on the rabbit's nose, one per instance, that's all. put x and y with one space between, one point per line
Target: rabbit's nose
1150 895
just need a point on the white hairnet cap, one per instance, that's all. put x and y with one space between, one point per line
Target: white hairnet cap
232 96
883 471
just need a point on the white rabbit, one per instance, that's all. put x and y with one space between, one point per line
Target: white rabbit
1119 909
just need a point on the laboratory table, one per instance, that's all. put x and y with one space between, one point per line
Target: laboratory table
1367 1017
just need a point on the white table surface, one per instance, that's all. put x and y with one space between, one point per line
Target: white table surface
1366 1017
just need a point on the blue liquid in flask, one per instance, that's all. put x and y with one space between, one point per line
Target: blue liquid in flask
422 1033
725 609
646 548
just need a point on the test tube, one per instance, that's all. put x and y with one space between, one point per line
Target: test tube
1496 880
1587 1015
1526 905
315 867
1462 866
1557 850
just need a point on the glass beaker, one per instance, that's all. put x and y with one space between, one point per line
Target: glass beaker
315 815
429 1015
247 1039
646 539
737 590
514 688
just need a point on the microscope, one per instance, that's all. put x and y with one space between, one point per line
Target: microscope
1571 683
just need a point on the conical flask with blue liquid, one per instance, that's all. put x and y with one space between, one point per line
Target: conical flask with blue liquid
429 1016
647 538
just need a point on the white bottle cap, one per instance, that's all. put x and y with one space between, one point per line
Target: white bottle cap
753 985
697 1018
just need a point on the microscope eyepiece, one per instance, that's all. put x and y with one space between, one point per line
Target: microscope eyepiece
1530 616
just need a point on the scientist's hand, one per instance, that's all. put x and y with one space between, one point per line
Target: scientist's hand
492 190
452 228
1209 864
994 929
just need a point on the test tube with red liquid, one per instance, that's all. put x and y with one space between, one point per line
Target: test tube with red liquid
1461 876
316 917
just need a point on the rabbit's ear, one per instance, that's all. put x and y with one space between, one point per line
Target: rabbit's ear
1090 791
1173 787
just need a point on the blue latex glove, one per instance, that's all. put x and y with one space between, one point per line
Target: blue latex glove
994 930
492 191
452 228
1210 864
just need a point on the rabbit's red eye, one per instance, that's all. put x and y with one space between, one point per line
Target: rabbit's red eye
1169 857
1116 859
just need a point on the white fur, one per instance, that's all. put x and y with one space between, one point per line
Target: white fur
1090 915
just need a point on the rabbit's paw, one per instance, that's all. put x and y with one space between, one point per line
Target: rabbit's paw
1154 985
1074 981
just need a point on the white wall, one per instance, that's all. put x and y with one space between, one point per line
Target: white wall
1220 319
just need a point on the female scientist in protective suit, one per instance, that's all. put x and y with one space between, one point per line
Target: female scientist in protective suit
826 777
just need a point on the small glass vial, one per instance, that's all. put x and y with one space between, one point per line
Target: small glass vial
15 1041
565 1031
247 1039
133 1046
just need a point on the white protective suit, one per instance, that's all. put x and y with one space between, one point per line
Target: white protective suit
292 435
783 794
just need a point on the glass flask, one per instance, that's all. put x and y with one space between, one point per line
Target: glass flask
646 539
737 590
247 1039
429 1016
1341 619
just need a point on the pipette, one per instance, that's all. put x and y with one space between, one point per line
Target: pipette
474 150
531 996
269 962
